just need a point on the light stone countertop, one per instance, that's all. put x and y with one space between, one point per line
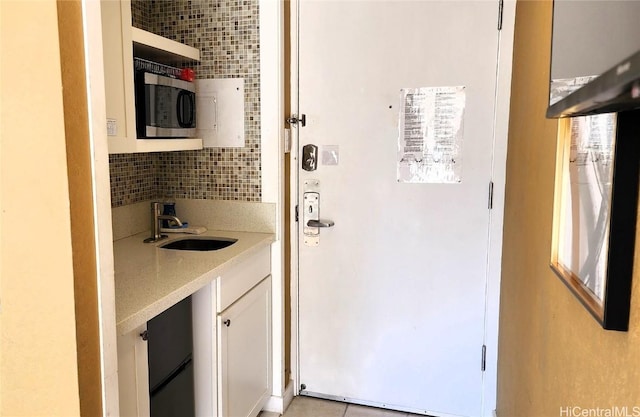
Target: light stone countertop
148 279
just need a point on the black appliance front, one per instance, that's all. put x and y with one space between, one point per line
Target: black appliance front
170 347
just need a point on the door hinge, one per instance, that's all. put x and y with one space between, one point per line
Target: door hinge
296 213
483 365
500 12
294 120
490 195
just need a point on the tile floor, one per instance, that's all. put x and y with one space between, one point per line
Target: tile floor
313 407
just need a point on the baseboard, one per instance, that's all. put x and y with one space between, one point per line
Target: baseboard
288 395
276 404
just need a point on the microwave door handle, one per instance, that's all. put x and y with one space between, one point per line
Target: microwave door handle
192 109
180 108
185 112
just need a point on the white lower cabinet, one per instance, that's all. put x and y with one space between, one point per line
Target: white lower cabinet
231 346
244 354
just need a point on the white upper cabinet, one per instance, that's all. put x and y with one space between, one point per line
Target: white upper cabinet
120 42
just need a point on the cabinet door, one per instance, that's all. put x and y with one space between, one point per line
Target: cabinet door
133 374
244 353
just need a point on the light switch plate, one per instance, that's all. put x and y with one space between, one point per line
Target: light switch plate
112 127
330 154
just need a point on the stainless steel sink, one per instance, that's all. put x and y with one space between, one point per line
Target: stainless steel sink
200 244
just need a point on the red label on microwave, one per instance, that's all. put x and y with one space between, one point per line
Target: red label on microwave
187 74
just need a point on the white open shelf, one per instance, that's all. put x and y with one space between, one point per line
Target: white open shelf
128 145
121 42
153 47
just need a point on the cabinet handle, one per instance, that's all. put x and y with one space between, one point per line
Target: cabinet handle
227 322
144 335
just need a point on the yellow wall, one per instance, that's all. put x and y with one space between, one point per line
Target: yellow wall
38 371
552 353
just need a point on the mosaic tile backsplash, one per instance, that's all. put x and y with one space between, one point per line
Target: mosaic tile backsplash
133 178
227 34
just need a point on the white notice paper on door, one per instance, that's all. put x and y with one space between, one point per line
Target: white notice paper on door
220 112
430 135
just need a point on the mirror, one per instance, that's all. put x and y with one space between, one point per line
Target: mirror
589 38
596 44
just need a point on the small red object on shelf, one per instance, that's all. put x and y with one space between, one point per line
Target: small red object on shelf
187 74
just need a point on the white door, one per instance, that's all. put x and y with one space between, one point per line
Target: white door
392 297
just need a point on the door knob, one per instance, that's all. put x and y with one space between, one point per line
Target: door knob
320 223
311 221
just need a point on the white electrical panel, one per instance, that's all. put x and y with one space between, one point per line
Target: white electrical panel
220 112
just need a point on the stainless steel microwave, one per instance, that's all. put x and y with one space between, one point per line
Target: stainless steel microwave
165 106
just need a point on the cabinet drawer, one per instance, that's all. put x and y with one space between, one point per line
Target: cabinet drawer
234 283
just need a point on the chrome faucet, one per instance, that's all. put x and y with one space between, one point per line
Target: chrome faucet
156 218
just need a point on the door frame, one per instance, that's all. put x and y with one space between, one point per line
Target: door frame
496 221
271 15
293 197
